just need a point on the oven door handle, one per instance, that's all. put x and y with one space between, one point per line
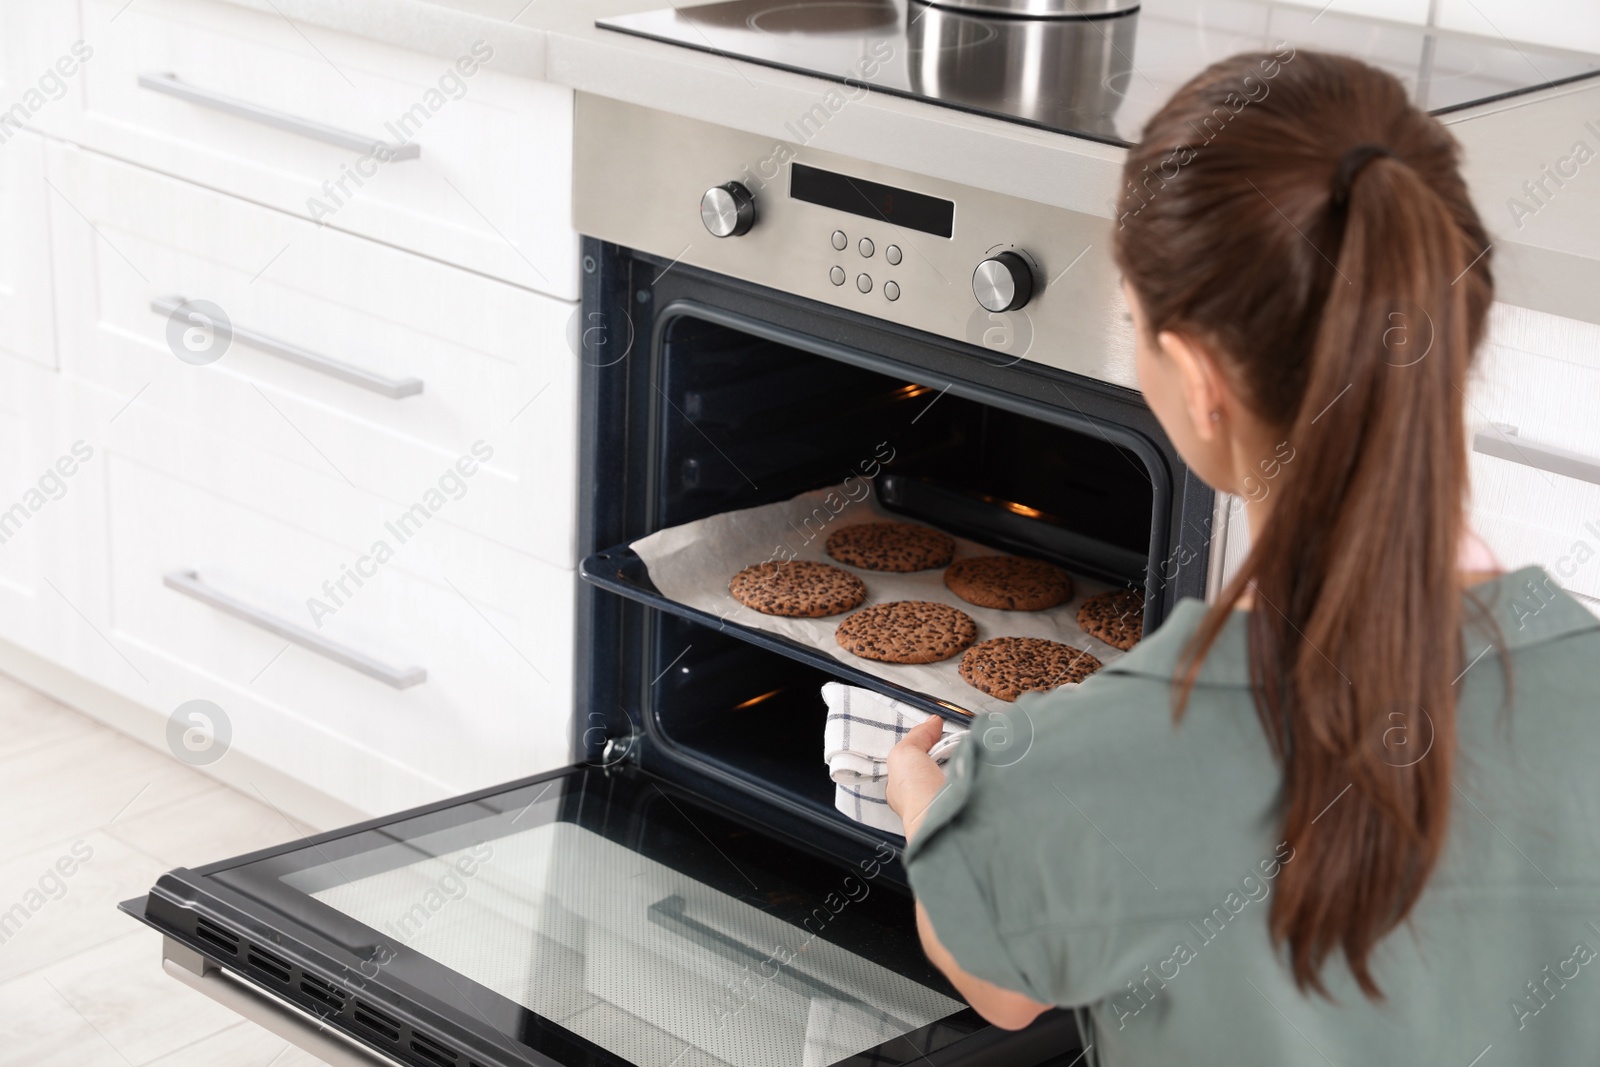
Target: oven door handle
189 584
1501 441
671 913
243 997
169 85
393 388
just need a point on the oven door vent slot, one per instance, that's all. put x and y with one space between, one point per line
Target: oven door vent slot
268 964
376 1021
431 1050
322 992
214 935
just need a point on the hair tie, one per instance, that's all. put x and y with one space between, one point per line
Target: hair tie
1350 165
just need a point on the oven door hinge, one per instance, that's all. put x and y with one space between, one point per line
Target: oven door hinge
619 749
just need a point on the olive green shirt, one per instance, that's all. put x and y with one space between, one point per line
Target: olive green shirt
1087 852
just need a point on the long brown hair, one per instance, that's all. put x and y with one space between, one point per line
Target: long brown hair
1298 216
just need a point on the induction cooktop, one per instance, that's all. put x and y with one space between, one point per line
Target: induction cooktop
1099 78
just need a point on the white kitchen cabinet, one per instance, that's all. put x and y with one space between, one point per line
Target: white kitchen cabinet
269 110
488 627
34 36
365 393
1539 374
49 533
27 328
271 477
47 512
330 328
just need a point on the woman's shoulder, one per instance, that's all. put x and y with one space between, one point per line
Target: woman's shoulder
1132 700
1114 739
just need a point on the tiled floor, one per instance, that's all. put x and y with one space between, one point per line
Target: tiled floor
80 983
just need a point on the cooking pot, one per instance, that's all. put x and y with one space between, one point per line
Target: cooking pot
1062 73
1044 8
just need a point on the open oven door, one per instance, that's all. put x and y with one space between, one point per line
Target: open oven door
591 916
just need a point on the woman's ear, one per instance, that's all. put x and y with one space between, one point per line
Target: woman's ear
1205 395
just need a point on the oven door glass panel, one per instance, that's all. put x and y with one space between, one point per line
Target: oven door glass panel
603 917
653 959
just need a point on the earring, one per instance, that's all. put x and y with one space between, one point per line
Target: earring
1216 416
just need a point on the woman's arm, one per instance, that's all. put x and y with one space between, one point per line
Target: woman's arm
914 780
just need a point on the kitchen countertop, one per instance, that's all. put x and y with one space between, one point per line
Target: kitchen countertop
1547 258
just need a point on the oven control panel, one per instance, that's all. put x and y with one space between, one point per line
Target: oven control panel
1003 282
1018 279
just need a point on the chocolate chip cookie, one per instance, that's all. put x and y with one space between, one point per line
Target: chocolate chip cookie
797 588
900 547
907 631
1007 667
1117 617
1011 583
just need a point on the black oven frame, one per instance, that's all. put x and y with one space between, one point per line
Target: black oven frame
628 299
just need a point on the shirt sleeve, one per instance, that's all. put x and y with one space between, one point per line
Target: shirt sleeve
1016 871
960 907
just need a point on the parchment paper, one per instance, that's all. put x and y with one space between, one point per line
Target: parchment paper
693 562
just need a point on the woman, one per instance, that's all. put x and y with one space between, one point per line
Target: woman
1349 813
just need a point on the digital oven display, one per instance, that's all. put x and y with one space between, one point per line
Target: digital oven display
898 207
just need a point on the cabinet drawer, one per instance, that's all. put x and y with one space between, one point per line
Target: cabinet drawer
1540 375
490 630
349 357
252 104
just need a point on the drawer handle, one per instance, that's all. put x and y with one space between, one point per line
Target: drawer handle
189 584
1502 442
171 86
392 388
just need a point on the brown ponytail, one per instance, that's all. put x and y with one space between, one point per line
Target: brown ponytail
1345 293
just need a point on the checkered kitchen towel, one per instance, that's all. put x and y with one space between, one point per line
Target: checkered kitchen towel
862 727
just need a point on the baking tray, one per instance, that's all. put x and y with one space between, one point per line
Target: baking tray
684 570
620 570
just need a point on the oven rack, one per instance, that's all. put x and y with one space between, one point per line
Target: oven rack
620 570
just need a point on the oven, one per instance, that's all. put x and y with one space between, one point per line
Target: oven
687 892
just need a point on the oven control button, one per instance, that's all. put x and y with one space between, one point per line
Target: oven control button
1003 282
728 210
866 247
891 290
892 254
840 240
836 275
864 282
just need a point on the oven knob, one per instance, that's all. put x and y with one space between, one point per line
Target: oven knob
1003 282
728 210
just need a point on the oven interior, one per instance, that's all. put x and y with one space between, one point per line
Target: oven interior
742 420
749 420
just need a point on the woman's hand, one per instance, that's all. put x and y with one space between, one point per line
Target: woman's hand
914 778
